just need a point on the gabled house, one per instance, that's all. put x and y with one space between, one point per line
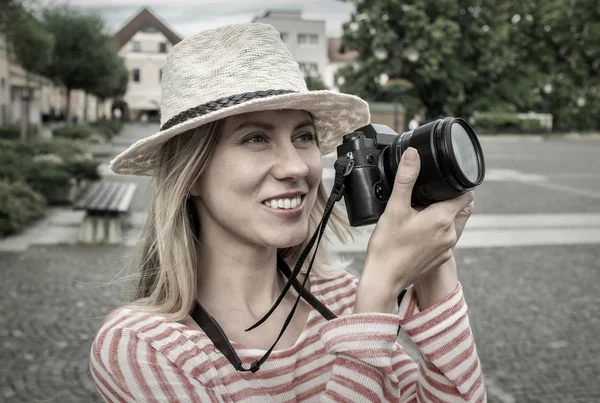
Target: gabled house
144 43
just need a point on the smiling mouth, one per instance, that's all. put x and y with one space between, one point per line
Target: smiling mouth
284 203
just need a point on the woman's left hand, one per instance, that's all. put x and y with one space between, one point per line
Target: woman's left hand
461 219
434 286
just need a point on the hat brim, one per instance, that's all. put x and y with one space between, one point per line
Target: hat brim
334 115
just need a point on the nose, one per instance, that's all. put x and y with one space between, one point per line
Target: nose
290 164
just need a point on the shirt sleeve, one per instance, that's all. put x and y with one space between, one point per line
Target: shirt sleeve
371 367
126 368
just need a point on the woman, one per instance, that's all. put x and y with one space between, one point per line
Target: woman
237 167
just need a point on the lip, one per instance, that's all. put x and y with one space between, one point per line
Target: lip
287 195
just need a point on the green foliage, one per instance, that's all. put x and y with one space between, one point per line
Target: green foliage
14 165
19 206
112 77
13 131
315 83
503 122
481 55
64 148
48 179
74 132
83 169
109 128
30 43
48 167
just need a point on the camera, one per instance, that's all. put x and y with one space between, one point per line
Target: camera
452 163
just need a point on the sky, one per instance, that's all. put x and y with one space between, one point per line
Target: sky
187 17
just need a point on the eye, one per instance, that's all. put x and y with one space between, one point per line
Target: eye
306 137
256 138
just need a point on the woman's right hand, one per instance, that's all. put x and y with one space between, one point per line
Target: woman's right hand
406 244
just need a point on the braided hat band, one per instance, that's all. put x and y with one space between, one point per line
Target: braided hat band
214 106
232 70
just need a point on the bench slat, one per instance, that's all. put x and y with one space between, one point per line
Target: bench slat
125 195
102 200
89 196
127 198
108 197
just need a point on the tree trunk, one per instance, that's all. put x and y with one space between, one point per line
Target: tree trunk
25 109
85 107
98 101
69 111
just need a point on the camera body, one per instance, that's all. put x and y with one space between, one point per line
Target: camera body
451 164
366 189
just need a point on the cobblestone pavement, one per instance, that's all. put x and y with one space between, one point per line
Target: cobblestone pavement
535 314
52 304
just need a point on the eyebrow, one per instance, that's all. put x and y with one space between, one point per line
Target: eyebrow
269 126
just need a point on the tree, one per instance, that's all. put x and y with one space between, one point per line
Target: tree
79 45
31 46
559 43
463 56
112 76
315 83
447 49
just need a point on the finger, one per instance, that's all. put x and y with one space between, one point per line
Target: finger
453 206
406 176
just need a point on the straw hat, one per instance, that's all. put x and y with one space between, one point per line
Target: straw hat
231 70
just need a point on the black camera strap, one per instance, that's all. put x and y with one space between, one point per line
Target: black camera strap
212 329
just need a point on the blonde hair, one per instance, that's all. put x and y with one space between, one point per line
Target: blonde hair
167 251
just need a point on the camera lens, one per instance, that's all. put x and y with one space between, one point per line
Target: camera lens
451 159
464 151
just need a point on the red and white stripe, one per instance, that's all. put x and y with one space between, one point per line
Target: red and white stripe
138 357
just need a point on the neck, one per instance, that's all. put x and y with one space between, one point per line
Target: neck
239 277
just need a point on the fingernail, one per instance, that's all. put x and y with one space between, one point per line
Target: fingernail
410 154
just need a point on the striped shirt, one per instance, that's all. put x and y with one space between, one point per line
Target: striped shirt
354 358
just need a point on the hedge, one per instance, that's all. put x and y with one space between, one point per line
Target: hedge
109 128
503 122
74 132
19 206
13 132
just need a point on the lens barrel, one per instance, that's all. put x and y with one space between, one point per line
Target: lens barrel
452 160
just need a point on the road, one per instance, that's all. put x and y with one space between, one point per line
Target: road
529 263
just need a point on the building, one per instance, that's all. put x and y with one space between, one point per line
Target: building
305 39
47 101
144 43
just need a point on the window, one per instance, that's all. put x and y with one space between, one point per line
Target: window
309 69
136 46
284 36
162 47
149 29
136 75
308 39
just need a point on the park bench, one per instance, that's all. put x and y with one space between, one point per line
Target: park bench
106 205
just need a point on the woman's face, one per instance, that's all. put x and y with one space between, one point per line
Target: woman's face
261 183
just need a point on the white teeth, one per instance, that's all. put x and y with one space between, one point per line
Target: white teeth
284 203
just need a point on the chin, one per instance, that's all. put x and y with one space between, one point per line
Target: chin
286 240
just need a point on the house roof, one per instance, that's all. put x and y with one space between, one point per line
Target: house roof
143 19
334 55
